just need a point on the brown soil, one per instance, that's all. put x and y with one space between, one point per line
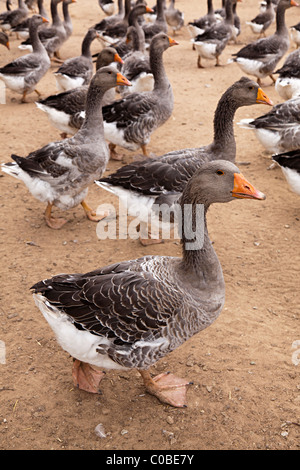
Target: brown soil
246 391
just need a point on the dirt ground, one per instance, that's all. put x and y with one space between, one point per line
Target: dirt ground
246 391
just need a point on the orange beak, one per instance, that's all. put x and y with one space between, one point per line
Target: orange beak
117 58
7 45
121 80
294 4
263 98
45 20
242 189
172 42
149 10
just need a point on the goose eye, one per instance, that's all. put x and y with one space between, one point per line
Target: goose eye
251 87
220 172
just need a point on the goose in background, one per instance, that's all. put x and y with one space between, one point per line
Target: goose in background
23 74
108 6
12 18
60 173
132 313
22 29
160 24
130 121
289 163
136 66
295 34
213 41
174 17
64 109
197 27
263 20
77 71
287 84
278 130
260 57
53 36
110 32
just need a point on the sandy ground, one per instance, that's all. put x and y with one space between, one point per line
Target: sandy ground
246 391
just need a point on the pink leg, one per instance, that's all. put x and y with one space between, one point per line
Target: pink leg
86 377
166 387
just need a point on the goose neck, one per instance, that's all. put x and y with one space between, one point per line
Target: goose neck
223 125
54 13
281 27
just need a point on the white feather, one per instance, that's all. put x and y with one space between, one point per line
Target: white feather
287 87
65 82
293 179
58 119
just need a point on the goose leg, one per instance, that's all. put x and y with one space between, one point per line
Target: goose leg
113 154
86 377
52 222
167 388
24 97
200 66
38 93
91 214
144 150
147 237
272 78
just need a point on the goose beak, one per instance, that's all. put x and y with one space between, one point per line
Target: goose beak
7 45
117 58
294 4
242 189
172 42
121 80
263 98
149 10
45 20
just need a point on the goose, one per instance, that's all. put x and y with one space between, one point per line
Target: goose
279 130
22 29
174 17
113 19
287 84
13 17
213 41
53 36
159 25
122 46
62 109
295 34
4 14
143 186
260 57
197 27
136 66
130 314
23 74
60 172
289 163
77 71
4 40
130 121
263 20
108 6
113 31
